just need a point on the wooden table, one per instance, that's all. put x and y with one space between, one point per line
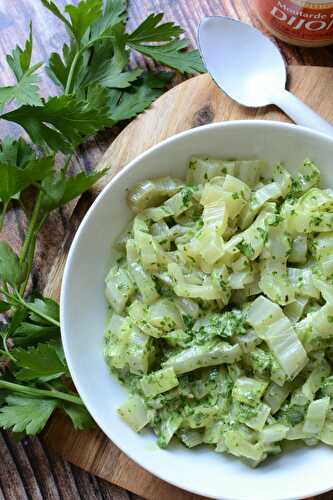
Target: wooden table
28 469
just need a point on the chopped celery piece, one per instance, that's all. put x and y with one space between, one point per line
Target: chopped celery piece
237 445
296 432
273 433
275 328
326 434
213 433
257 422
276 395
301 280
248 390
190 438
118 288
168 428
158 382
153 192
316 415
117 334
138 350
249 341
262 314
323 321
202 169
135 413
286 347
315 379
164 314
299 250
294 310
210 354
142 278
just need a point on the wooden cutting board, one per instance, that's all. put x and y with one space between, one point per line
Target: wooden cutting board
193 103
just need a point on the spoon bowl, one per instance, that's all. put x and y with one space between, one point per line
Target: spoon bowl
242 61
250 69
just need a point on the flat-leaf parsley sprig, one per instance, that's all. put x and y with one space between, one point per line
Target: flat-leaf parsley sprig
97 89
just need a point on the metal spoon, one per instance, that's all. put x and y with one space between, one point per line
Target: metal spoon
249 68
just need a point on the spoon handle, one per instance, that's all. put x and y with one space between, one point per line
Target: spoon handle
300 113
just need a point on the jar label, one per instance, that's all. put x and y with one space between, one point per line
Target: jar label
309 21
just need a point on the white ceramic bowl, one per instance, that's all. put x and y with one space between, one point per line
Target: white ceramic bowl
300 473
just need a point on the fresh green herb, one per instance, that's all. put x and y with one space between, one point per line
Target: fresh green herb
246 249
44 362
224 325
263 233
187 195
28 415
26 90
97 89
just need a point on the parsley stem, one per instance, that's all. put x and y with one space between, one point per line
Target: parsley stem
71 72
31 228
3 213
33 391
31 254
30 240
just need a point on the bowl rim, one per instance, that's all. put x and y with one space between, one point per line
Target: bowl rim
65 335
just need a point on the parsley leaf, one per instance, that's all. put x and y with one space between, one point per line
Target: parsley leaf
51 6
26 414
149 31
246 249
58 67
45 361
62 123
29 333
172 54
4 306
79 416
19 60
82 16
19 315
115 13
10 268
109 75
15 179
15 152
26 90
58 189
128 104
46 307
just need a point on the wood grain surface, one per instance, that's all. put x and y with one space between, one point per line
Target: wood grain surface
29 469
